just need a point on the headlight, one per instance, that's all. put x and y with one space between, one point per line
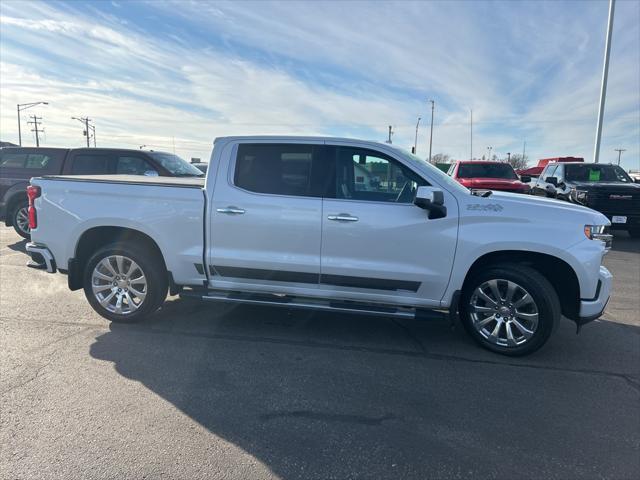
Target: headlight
597 232
579 196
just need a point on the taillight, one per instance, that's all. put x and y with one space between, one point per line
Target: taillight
33 192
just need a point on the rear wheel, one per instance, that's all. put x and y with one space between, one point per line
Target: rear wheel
510 309
125 283
20 219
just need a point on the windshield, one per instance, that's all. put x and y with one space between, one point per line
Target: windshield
436 173
486 170
596 173
176 165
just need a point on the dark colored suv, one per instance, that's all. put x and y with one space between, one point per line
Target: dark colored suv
19 164
603 187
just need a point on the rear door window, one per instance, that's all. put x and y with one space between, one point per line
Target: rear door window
282 169
90 164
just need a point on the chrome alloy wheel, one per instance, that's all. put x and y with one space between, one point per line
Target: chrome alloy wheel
22 220
119 284
503 312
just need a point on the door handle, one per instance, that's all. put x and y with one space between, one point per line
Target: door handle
231 210
343 217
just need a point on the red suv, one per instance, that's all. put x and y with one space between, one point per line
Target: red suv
488 176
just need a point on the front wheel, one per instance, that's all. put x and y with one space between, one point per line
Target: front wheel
20 220
510 309
125 283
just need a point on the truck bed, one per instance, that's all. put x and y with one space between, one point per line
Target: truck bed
185 182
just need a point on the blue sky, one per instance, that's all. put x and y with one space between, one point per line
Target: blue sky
181 73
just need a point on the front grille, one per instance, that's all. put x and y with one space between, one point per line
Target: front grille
603 202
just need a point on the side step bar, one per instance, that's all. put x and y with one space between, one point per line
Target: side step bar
307 303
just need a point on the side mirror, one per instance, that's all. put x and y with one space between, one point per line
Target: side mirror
636 179
525 179
432 200
552 180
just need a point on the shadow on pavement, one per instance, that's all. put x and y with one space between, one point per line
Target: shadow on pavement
315 395
19 246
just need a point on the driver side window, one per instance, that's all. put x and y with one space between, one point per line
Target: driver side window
372 176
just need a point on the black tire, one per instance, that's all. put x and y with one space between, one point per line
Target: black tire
152 266
17 219
539 288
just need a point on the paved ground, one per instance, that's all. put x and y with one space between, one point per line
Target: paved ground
245 393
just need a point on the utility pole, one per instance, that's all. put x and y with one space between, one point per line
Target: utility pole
489 148
431 134
509 157
471 125
36 122
524 146
390 133
603 88
620 150
415 142
87 126
24 106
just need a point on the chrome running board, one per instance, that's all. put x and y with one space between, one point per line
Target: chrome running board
303 303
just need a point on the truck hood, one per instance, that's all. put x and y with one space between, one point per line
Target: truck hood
531 208
513 184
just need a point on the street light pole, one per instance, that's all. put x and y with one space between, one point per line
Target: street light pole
86 121
471 125
24 106
415 142
431 134
603 87
620 150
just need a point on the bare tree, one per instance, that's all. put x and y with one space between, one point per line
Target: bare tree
440 158
517 161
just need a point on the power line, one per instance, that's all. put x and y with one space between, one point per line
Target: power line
36 123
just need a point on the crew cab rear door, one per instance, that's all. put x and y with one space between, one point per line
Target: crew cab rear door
266 216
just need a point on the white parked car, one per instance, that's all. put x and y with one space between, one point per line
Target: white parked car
325 223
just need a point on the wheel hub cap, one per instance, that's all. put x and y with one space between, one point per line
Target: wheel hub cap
503 313
119 284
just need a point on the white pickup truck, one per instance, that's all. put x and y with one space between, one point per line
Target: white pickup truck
325 223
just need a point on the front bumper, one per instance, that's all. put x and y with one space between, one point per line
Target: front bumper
633 221
592 308
41 257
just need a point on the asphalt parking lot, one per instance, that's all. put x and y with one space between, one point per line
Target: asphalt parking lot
243 392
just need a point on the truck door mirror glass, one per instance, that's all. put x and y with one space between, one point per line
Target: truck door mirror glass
525 179
552 180
432 200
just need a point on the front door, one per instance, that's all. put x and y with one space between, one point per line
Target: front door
266 218
376 244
